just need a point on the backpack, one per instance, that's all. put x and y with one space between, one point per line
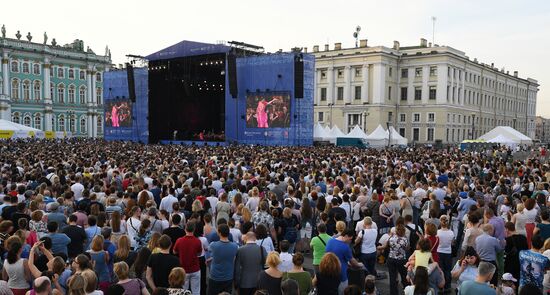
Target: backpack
291 234
413 237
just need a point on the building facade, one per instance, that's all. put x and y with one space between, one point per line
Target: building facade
542 131
51 87
428 93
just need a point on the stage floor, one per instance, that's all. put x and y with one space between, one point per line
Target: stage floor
194 142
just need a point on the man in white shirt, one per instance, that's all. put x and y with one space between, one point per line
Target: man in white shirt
167 202
133 225
77 189
286 258
418 194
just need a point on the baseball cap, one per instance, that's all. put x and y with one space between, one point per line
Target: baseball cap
508 277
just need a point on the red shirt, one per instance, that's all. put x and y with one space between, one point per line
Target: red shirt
188 249
435 243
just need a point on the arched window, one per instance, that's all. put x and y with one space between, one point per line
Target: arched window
71 94
37 89
15 118
99 94
82 74
15 66
26 68
83 125
15 89
26 90
38 121
71 74
99 125
61 123
27 121
98 77
82 94
60 72
72 124
36 69
61 94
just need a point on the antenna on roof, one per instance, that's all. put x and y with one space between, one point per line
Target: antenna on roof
356 35
434 19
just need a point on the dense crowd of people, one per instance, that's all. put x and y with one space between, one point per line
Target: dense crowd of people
95 217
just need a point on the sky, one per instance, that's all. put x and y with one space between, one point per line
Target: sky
511 34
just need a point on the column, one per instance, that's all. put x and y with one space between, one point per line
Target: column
410 86
451 93
347 87
463 87
330 88
89 101
94 105
365 85
94 126
378 81
317 97
5 102
425 77
442 80
48 103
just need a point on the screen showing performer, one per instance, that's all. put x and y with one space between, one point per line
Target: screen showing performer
118 113
268 110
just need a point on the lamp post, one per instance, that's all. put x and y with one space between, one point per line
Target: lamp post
330 106
365 114
473 124
389 133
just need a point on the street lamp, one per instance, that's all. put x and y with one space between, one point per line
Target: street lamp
330 105
389 133
473 124
365 114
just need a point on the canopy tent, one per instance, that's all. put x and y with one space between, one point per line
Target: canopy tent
335 132
320 133
378 138
508 132
502 139
356 132
10 129
396 138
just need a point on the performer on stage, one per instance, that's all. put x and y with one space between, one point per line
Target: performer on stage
114 115
261 114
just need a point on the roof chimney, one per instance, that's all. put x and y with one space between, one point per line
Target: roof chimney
315 48
363 43
326 47
396 45
423 42
337 46
507 72
305 49
516 74
492 65
430 44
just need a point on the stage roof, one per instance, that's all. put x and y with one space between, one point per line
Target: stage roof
187 48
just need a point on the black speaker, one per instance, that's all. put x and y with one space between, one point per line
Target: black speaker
298 76
232 72
131 82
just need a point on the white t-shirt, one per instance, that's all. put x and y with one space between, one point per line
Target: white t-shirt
77 189
446 238
286 262
167 202
361 225
409 290
133 224
368 243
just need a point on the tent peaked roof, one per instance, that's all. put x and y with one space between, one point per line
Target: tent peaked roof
502 139
508 132
356 132
396 138
8 125
187 48
319 131
378 133
336 132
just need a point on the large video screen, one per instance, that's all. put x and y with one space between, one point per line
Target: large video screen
118 113
268 110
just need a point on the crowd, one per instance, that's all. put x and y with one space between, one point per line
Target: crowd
95 217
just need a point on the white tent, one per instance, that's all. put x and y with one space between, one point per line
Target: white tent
396 138
10 129
319 133
327 129
508 132
356 132
378 138
502 139
335 132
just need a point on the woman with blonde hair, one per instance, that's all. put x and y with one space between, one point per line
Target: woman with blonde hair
153 244
386 212
340 228
131 286
520 219
270 279
76 285
123 251
327 279
176 279
196 207
91 282
247 215
100 260
118 226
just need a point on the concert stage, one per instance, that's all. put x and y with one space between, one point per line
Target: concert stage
194 142
212 93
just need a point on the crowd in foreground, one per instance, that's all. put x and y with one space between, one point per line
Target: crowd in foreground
94 217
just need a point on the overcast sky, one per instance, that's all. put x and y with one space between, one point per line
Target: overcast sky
511 34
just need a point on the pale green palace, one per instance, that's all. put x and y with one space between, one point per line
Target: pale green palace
52 87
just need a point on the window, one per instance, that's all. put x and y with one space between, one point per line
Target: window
417 93
431 117
15 89
99 125
60 74
71 74
433 92
99 95
416 134
321 117
402 132
71 94
323 94
340 95
51 74
61 123
15 118
26 69
403 118
358 72
403 93
37 90
390 116
36 69
98 77
61 95
52 92
72 124
418 72
390 72
82 94
53 123
83 125
416 117
433 71
404 73
82 74
340 73
1 86
15 67
37 121
389 93
353 119
357 92
430 134
26 90
27 121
